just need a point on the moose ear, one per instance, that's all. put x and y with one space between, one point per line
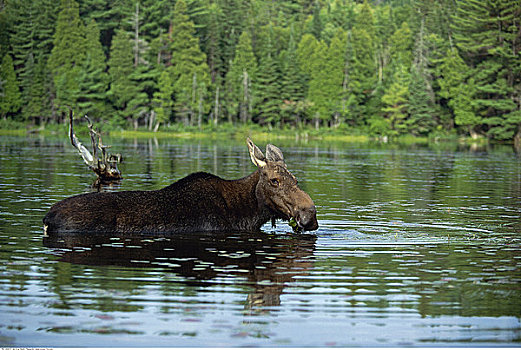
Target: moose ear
274 154
256 154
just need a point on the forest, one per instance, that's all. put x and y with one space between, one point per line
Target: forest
381 67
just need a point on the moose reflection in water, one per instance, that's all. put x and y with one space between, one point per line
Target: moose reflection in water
267 261
200 202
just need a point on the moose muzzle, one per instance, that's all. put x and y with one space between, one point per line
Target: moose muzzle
307 218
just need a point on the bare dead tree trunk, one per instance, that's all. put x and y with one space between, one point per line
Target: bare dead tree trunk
104 165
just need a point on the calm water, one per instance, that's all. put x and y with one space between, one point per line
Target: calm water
416 247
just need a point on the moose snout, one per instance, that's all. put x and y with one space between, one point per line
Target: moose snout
307 219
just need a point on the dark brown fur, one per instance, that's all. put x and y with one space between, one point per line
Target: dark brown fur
196 203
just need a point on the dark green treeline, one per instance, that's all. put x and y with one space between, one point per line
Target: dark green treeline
379 67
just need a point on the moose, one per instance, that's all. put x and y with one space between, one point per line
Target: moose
200 202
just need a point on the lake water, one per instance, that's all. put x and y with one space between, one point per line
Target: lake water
417 246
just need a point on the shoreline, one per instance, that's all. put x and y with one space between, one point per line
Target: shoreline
240 132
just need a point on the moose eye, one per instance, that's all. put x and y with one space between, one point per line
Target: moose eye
274 182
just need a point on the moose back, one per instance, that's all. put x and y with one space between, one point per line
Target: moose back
200 202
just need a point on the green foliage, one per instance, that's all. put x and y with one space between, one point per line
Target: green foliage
190 71
267 91
239 80
67 55
395 102
163 99
122 88
293 86
30 28
93 79
421 108
488 35
10 98
391 67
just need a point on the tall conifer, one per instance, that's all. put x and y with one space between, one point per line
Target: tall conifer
190 70
10 98
93 80
240 79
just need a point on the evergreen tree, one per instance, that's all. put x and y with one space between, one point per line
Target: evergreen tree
362 70
465 107
395 102
242 73
156 16
190 71
163 98
37 101
306 47
423 114
67 55
234 16
267 96
316 26
452 73
31 30
342 14
121 65
10 98
401 44
93 79
211 46
317 95
110 16
421 108
335 85
403 66
487 33
293 85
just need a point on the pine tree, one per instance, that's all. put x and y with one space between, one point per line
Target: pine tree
31 31
306 47
362 69
487 33
395 102
156 16
121 65
337 82
37 102
67 55
454 91
240 78
293 85
317 95
423 114
465 107
401 45
234 16
10 97
190 71
93 80
421 108
268 97
316 24
163 98
110 17
211 42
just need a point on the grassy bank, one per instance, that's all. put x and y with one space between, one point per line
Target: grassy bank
237 132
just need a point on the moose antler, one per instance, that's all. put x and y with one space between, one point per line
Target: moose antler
106 167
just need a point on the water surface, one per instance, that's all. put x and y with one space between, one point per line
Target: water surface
416 247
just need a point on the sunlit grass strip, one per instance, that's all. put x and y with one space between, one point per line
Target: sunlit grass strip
239 133
13 132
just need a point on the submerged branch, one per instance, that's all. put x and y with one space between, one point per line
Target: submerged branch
106 166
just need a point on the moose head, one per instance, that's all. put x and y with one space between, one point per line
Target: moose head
278 189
